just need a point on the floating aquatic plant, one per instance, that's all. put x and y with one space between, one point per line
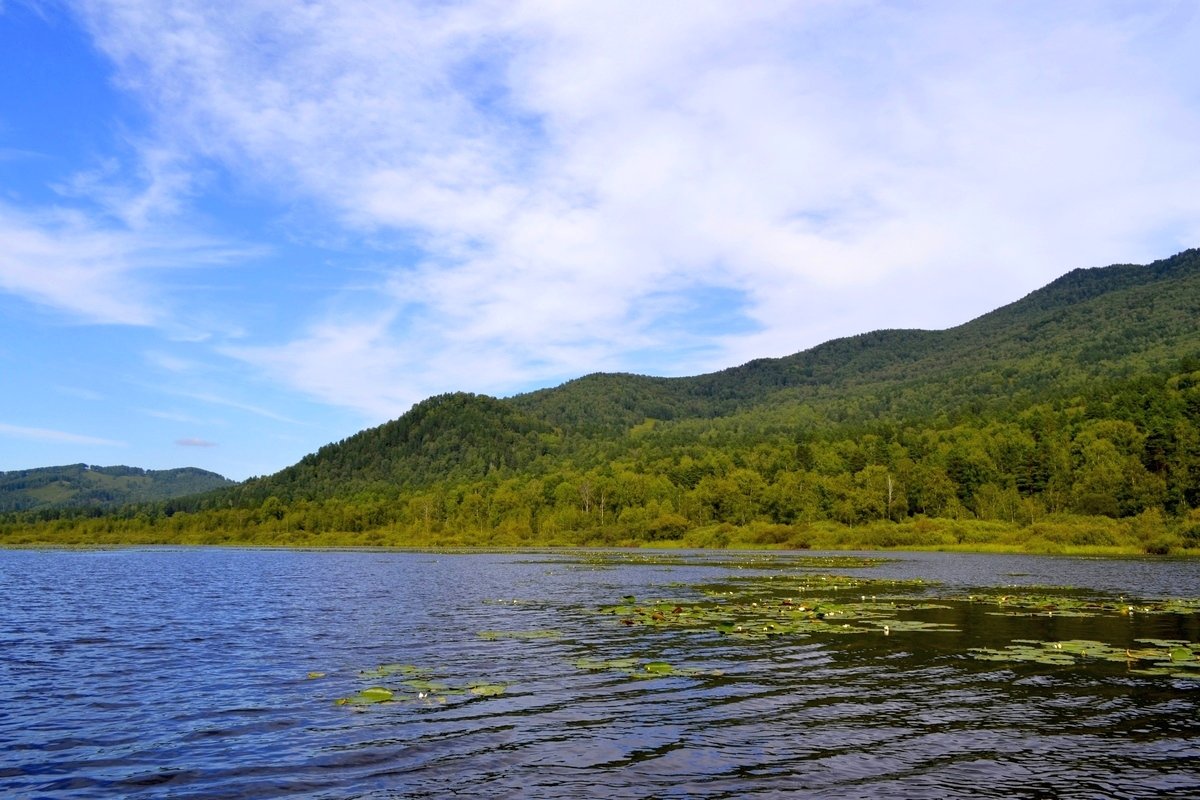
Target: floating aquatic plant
1177 658
614 665
634 668
827 606
492 636
740 561
412 683
387 670
794 606
374 694
481 689
1068 605
783 606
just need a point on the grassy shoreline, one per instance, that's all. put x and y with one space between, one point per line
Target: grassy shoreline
1061 535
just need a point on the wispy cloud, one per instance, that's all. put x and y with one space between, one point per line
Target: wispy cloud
62 260
194 443
169 363
566 169
16 153
218 400
82 393
48 435
161 184
176 416
74 263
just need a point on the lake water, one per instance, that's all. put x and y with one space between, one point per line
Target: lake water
185 673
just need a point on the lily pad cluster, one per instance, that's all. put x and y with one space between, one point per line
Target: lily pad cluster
400 683
1173 657
806 604
492 636
636 668
760 609
1065 605
738 561
763 607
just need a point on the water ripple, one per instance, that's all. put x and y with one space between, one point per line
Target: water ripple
182 674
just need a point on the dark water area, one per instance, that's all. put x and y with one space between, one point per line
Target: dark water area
185 673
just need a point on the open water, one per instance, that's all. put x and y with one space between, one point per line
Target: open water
185 673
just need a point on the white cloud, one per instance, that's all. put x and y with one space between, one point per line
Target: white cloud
166 362
847 165
48 435
82 393
351 364
70 261
63 261
163 182
174 416
219 400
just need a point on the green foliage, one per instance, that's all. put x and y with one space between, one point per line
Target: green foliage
83 486
1067 420
452 436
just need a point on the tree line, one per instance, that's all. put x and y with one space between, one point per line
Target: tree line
1125 458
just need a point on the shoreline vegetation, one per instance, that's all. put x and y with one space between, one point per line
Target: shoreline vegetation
1115 472
1149 534
1067 422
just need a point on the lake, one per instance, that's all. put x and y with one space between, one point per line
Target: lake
189 673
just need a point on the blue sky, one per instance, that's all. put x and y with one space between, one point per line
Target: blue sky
231 233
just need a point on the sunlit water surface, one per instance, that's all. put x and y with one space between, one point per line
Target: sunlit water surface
183 673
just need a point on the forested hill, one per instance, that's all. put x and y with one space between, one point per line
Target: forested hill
80 485
1070 418
1089 327
448 437
1089 324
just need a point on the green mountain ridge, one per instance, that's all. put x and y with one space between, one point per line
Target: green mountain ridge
487 434
1090 324
1079 401
86 486
1143 310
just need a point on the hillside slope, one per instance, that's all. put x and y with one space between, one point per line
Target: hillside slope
1090 325
1067 420
453 436
81 485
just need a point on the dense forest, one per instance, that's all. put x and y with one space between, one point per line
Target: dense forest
1069 420
83 485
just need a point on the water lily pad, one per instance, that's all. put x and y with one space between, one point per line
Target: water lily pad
615 664
486 689
1177 660
374 694
387 670
536 634
1163 642
912 625
426 686
1065 604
